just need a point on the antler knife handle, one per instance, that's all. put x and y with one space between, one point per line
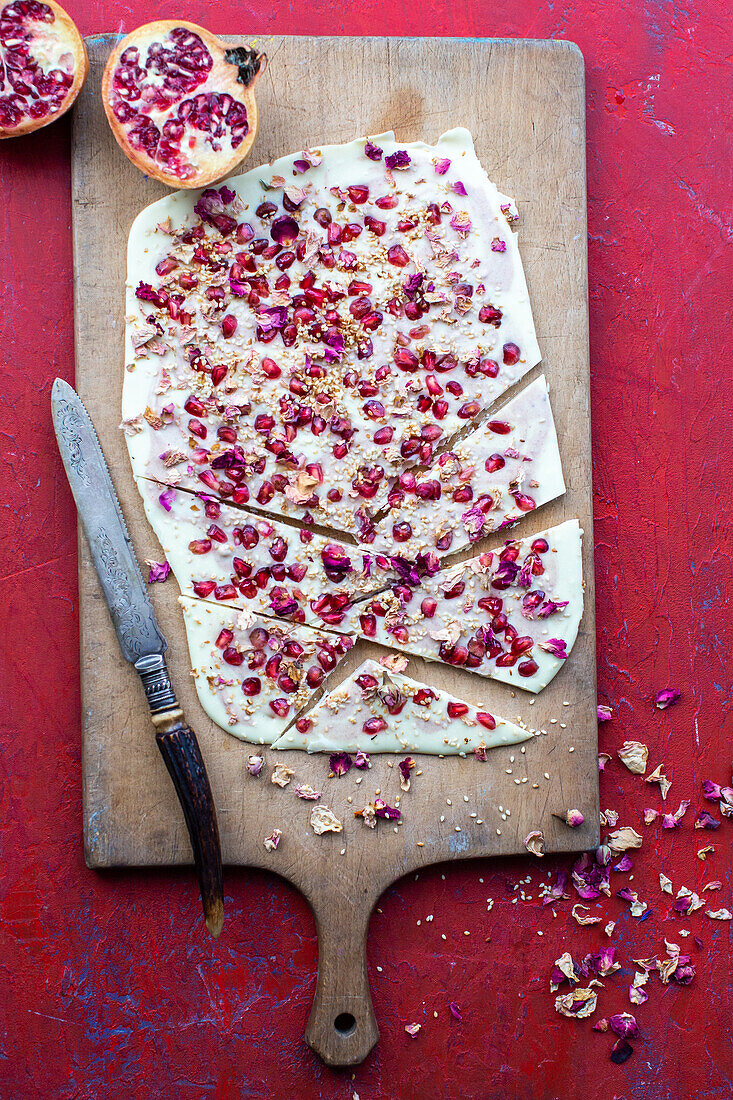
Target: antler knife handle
182 755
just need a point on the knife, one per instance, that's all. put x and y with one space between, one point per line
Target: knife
141 640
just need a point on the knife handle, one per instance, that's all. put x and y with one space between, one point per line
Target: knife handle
182 755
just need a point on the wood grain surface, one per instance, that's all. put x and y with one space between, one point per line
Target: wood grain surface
524 103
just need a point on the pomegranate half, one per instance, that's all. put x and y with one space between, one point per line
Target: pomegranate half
181 102
43 64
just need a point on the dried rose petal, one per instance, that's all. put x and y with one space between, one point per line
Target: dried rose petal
372 151
159 571
666 697
361 760
254 765
634 755
705 820
271 842
405 767
304 790
534 842
381 809
441 166
605 714
412 1029
455 1010
340 762
400 159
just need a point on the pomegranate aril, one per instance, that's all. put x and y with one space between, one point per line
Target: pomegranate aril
527 668
397 256
523 502
252 686
485 719
233 656
493 463
457 710
202 589
200 546
506 660
374 725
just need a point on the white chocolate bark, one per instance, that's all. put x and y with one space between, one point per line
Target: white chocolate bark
507 467
440 617
280 692
289 573
456 265
413 718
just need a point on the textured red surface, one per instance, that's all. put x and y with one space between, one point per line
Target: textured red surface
109 986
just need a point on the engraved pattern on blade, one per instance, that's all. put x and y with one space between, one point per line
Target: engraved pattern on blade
104 526
69 424
130 625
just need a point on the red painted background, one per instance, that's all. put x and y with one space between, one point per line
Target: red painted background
109 987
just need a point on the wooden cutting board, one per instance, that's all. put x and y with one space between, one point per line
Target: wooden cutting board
524 103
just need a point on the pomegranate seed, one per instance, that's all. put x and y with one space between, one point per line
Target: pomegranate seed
229 325
224 639
500 427
240 495
440 409
540 546
506 660
402 532
303 725
383 436
386 202
375 410
200 546
314 676
510 356
521 645
468 410
233 656
457 710
374 725
196 428
397 256
323 216
493 463
406 360
368 624
278 549
216 533
249 536
428 607
252 686
485 719
433 386
203 588
351 232
527 668
463 495
523 502
358 194
375 226
225 592
280 707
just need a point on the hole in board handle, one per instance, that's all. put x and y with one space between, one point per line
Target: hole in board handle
345 1024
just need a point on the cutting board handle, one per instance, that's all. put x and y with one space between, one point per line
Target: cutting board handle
342 1028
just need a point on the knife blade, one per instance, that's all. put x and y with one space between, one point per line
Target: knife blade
141 639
